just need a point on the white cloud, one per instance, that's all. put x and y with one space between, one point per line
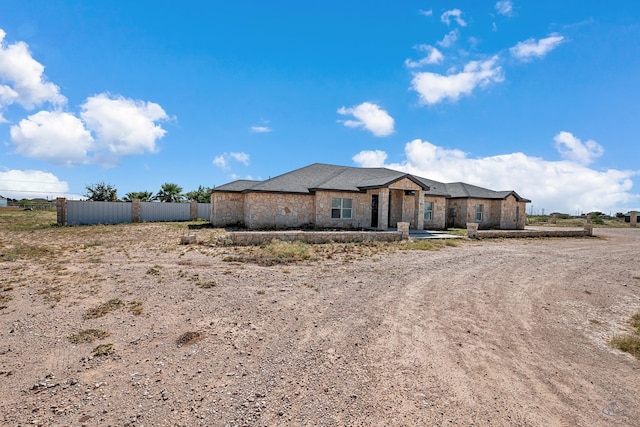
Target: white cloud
57 137
425 12
530 48
572 148
369 116
434 88
449 39
222 161
241 157
31 184
434 56
504 7
124 126
370 158
260 129
456 14
109 128
564 186
22 79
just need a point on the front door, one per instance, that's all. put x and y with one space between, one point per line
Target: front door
374 210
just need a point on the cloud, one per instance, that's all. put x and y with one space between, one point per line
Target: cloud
260 129
530 48
449 39
573 149
108 128
124 126
434 56
456 14
504 7
369 116
222 161
30 184
434 88
22 79
57 137
425 12
370 159
564 186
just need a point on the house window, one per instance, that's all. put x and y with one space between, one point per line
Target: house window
428 211
341 208
479 210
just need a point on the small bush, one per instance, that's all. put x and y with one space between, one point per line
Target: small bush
189 338
628 343
103 350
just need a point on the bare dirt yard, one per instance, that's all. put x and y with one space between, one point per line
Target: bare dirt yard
122 325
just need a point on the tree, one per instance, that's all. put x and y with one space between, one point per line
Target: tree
101 192
201 195
170 192
143 196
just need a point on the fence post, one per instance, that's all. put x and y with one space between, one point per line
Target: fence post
193 211
633 220
472 230
403 228
135 210
61 208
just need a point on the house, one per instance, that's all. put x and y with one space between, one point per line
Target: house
3 202
330 196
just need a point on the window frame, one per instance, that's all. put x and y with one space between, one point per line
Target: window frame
341 207
429 211
479 212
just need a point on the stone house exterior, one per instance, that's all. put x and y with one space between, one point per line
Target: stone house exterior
328 196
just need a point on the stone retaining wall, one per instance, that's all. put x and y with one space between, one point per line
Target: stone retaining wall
488 234
246 238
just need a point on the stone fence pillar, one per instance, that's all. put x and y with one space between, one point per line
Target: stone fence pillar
633 220
61 208
472 230
135 210
403 228
588 227
554 218
193 210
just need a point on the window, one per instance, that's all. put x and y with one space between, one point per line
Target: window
479 209
341 208
428 211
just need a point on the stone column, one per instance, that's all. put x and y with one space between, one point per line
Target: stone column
633 220
472 230
419 219
403 228
193 210
135 210
588 228
383 208
61 208
554 218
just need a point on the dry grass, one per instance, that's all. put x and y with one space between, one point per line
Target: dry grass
189 338
103 309
103 350
629 343
87 336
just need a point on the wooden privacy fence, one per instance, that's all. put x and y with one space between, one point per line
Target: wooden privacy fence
76 212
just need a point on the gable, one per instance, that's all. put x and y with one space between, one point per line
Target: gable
405 184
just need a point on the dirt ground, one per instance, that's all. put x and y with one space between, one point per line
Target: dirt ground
484 333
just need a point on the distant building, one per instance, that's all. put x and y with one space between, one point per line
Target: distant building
4 202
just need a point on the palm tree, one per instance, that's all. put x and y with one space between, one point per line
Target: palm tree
170 192
143 196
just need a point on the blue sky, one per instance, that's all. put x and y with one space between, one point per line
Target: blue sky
540 97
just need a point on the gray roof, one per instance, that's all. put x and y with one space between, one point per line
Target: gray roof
237 186
464 190
320 176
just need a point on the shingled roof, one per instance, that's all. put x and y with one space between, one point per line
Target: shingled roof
320 176
464 190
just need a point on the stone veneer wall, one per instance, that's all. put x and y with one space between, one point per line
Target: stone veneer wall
276 210
246 238
438 221
513 214
227 208
360 214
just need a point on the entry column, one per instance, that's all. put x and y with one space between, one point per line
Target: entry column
383 209
419 210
